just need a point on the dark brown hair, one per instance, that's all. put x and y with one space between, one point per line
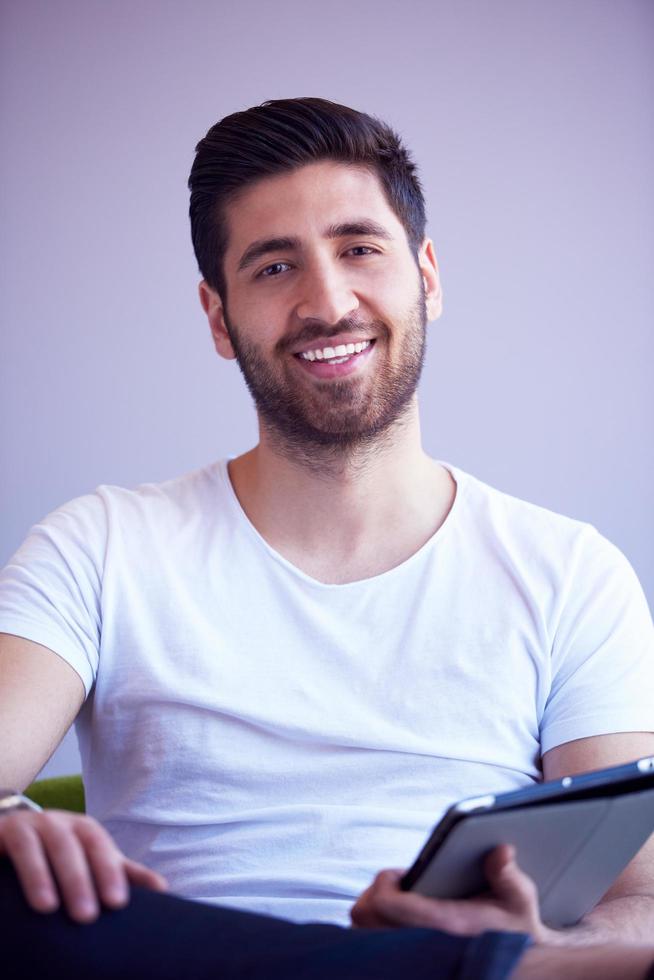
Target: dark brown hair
282 135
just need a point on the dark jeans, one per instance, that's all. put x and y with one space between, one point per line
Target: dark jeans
163 937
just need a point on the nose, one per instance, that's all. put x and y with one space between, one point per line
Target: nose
326 296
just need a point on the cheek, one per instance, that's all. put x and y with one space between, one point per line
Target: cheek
393 305
397 288
259 323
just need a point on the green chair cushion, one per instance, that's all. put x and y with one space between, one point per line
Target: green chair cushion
60 792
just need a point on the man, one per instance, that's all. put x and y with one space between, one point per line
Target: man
283 667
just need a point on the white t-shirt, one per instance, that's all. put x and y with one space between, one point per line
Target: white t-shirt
270 742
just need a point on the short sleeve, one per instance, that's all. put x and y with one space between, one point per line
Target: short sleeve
603 649
51 588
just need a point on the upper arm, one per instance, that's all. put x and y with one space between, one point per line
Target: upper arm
40 695
601 655
598 752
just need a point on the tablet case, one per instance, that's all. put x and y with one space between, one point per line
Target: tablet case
573 850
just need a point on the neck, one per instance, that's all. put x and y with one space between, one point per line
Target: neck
341 516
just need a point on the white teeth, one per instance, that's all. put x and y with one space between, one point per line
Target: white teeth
342 351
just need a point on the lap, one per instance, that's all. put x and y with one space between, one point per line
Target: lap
167 937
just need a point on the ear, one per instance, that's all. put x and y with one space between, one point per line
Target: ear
213 307
431 278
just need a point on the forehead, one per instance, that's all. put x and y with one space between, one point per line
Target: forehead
305 201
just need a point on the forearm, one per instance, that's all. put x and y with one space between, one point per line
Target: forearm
628 919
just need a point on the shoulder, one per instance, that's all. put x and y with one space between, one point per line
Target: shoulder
509 523
177 499
175 492
92 519
547 548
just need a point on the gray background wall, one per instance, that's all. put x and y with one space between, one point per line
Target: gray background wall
532 123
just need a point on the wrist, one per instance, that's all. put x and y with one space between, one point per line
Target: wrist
11 800
546 936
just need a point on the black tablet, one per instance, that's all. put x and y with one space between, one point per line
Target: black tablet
573 836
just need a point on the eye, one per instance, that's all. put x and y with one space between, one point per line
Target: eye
272 271
363 250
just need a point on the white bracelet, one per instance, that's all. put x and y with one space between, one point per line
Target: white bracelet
10 801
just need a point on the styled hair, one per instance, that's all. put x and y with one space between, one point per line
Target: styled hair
279 136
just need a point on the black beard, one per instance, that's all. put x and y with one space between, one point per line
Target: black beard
345 415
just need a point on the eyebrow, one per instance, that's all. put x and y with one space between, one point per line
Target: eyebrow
263 246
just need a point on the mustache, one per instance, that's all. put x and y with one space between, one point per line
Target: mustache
316 329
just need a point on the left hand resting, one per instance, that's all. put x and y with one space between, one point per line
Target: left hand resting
510 905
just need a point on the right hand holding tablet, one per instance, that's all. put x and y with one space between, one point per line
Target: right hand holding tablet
69 857
511 905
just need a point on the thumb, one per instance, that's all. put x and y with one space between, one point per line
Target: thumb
138 874
507 880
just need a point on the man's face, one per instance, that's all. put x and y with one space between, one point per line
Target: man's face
327 307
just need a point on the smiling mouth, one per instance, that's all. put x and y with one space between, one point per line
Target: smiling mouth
337 362
340 354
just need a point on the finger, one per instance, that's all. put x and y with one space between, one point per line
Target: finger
106 863
138 874
23 846
498 859
363 913
112 871
391 876
365 916
387 905
419 911
71 870
508 881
